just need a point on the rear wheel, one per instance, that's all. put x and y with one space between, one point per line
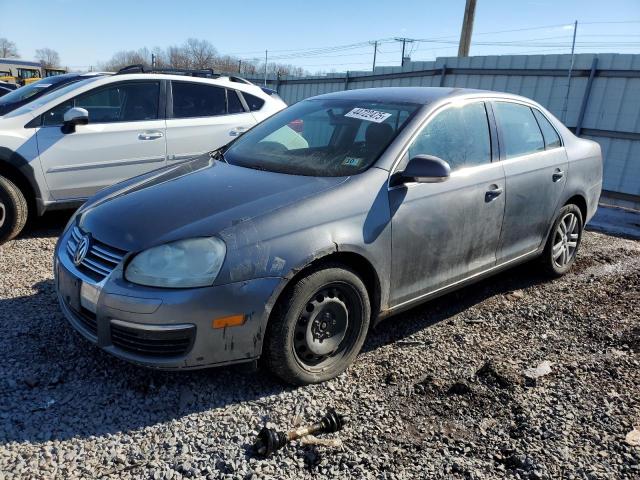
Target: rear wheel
13 210
564 241
319 326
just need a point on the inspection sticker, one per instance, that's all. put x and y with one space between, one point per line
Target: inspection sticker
352 161
368 115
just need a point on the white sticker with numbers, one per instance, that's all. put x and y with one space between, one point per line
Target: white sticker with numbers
368 115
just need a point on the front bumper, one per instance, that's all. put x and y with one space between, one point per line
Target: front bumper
166 328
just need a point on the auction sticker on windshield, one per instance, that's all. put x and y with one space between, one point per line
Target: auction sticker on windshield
369 115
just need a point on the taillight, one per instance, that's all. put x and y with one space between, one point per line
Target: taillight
297 125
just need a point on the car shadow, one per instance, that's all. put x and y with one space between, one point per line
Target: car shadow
403 325
48 225
55 385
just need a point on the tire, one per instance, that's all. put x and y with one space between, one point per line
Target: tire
13 210
561 248
318 327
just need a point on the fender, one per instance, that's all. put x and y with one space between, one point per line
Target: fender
26 172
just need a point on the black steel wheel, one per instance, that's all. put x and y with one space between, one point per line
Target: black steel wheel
319 326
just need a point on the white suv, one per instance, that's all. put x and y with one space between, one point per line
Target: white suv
63 147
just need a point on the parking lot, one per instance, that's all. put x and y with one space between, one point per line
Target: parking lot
438 391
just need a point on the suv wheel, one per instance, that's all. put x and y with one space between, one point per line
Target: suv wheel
319 327
13 210
564 240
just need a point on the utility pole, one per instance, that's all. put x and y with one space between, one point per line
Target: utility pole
404 42
266 57
239 66
467 28
573 49
375 51
153 60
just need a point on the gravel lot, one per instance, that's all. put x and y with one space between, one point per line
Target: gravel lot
439 391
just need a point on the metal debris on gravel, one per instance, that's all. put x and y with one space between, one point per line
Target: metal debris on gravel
438 392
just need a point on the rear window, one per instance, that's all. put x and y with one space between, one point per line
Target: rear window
233 102
255 103
551 137
520 131
197 100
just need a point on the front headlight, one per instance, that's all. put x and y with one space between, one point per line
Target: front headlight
186 263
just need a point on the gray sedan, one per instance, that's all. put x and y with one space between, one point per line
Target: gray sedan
288 243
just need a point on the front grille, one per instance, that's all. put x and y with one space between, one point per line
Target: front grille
100 260
88 320
153 343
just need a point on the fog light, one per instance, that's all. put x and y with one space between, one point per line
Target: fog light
228 321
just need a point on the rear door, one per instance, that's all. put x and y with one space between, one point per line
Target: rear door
535 164
202 118
125 137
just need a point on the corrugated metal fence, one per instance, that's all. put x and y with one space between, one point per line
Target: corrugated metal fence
603 102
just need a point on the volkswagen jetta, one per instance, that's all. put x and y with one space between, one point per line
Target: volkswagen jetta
336 212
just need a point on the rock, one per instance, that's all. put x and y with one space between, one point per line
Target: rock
543 368
633 437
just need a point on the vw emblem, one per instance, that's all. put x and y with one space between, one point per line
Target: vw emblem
81 250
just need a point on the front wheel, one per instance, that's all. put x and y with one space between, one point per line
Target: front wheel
13 210
564 240
319 326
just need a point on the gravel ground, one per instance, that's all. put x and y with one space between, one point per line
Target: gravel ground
440 391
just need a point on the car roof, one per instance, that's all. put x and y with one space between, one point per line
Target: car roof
419 95
222 80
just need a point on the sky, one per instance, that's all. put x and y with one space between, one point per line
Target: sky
328 35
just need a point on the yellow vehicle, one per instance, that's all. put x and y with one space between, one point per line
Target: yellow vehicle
23 72
5 76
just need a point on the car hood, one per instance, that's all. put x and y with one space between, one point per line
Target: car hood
196 198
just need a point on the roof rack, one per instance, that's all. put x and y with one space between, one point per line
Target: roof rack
236 79
139 68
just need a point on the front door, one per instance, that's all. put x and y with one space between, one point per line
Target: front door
125 137
445 232
203 118
535 164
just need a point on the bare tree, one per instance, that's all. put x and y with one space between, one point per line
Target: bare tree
8 49
197 54
201 53
177 57
48 57
127 57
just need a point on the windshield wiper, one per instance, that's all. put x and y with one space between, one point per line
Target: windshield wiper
218 154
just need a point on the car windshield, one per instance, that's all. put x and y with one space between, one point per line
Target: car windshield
30 90
322 137
49 97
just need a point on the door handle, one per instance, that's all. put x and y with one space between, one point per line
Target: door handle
150 135
493 192
557 175
234 132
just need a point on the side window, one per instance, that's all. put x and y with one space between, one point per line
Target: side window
458 135
234 104
551 138
520 131
124 102
55 116
197 100
255 103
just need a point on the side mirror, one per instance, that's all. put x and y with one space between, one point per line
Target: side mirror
74 116
425 169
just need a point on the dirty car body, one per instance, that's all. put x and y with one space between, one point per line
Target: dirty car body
280 201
